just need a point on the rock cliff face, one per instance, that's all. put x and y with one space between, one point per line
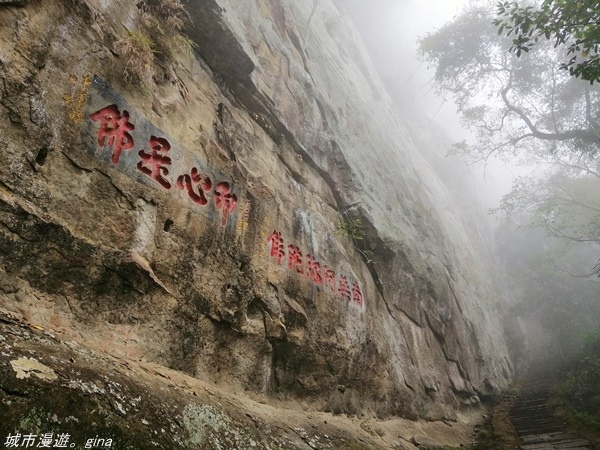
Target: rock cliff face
250 213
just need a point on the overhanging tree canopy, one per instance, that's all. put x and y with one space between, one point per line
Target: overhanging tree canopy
512 104
574 25
526 106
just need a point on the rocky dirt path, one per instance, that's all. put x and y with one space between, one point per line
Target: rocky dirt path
50 385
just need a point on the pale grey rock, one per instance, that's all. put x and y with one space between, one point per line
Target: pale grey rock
280 102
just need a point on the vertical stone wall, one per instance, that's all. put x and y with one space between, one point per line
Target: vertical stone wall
253 214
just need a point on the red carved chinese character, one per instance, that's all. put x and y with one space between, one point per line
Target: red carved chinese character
153 164
115 127
224 200
188 181
357 296
277 247
294 258
313 269
329 276
344 289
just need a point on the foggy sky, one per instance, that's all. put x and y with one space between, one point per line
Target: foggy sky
390 30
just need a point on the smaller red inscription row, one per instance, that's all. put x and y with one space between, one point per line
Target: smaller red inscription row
224 200
114 132
319 274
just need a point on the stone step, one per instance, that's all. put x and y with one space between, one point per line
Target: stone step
537 426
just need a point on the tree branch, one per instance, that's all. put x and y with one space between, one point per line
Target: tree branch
553 231
584 135
571 201
588 109
563 163
593 272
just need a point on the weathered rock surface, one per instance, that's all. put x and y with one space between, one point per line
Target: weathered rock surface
82 396
280 108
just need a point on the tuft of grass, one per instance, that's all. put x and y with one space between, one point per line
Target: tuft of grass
165 19
169 15
157 40
139 50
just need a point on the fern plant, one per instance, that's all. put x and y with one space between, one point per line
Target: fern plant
355 230
352 228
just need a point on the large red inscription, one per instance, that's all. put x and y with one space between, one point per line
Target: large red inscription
114 130
155 161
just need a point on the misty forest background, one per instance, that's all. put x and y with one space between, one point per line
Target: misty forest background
524 80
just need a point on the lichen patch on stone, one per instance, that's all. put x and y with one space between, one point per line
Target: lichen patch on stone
25 367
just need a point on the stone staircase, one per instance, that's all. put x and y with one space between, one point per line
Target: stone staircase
537 426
